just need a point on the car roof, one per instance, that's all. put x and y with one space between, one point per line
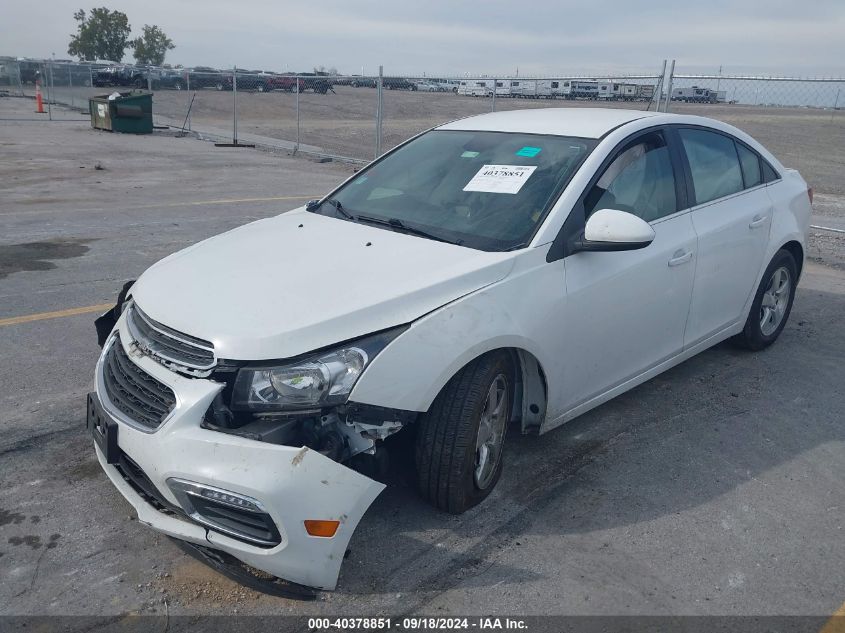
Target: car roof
580 122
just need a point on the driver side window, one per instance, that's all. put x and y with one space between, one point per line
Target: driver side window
639 180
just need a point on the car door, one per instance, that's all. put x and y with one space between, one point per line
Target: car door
626 311
732 217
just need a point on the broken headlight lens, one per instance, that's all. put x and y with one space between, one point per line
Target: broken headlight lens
322 379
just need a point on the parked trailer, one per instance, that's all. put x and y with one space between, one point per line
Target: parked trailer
523 88
608 90
694 94
579 89
476 88
504 88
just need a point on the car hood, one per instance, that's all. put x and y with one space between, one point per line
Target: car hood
297 282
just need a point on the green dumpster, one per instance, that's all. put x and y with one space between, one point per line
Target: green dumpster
131 112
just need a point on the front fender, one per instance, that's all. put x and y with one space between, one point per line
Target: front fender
410 372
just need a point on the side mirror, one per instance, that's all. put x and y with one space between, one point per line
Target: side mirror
614 230
312 205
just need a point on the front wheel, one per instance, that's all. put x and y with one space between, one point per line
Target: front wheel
772 303
460 439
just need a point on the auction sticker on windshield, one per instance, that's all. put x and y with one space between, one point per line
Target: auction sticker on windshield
500 178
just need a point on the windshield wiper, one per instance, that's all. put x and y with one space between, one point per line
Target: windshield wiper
397 225
335 203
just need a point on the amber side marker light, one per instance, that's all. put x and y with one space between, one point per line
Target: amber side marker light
325 529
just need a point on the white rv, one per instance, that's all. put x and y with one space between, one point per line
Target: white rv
504 88
579 89
476 87
524 88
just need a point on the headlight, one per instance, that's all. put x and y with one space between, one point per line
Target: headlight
320 379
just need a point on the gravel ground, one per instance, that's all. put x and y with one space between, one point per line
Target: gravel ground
714 489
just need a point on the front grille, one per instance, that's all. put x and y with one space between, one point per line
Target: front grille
139 396
167 345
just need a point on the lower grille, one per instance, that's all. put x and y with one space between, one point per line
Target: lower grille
255 528
137 478
139 396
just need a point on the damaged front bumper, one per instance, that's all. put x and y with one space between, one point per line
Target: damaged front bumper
160 472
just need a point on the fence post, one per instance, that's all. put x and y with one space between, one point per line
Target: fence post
49 85
234 105
90 76
835 104
658 90
493 106
187 94
149 80
669 86
379 104
296 147
70 86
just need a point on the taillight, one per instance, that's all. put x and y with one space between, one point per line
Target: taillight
810 194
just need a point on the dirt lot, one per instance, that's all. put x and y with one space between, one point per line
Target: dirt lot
714 489
344 123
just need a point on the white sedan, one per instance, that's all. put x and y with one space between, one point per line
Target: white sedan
505 271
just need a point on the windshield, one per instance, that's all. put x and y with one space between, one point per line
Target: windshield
484 190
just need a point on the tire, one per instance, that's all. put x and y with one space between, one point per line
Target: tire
770 308
260 87
177 85
450 472
219 86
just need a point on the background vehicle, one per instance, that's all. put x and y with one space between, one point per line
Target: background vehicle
124 76
205 77
428 86
695 94
362 82
320 84
398 83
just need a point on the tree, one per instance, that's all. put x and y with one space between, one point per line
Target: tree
101 35
152 46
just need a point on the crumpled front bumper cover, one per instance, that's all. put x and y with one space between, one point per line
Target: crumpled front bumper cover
293 484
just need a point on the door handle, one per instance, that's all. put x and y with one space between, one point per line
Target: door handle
680 257
759 220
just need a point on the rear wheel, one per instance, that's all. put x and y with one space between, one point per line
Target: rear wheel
772 303
461 438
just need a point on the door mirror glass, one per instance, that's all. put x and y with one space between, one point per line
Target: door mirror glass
614 230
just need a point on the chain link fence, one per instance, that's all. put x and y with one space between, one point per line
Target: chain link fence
358 117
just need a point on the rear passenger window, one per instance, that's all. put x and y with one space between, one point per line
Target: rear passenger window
750 163
769 173
713 162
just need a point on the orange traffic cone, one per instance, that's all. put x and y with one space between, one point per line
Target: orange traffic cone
39 103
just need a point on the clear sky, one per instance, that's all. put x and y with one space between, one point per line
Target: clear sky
441 37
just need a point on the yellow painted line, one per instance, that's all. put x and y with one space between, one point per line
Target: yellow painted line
836 623
167 205
58 314
200 203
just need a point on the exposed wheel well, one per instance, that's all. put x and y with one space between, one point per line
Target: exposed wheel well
530 391
797 252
